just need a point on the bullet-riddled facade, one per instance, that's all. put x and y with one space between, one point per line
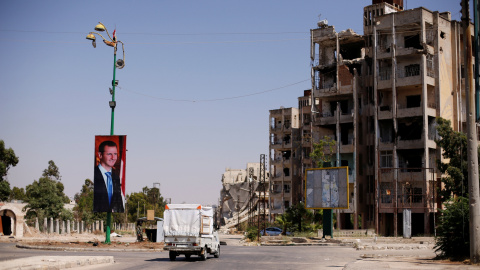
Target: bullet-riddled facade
377 95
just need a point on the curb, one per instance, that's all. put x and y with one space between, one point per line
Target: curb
56 262
87 249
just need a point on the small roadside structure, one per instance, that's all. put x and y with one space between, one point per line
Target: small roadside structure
153 229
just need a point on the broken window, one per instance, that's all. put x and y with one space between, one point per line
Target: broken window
386 159
411 130
413 42
430 66
286 188
386 131
344 107
410 160
286 155
412 70
286 171
412 194
383 43
352 50
414 101
386 191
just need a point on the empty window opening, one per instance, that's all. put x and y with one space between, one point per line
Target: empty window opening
414 101
286 171
352 50
386 131
410 160
411 130
413 42
344 107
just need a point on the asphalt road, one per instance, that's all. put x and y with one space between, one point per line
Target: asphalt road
232 257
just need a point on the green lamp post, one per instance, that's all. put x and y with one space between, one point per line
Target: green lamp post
120 63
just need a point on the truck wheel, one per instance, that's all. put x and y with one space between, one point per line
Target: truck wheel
203 256
172 255
217 254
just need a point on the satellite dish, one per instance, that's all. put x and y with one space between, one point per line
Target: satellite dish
120 63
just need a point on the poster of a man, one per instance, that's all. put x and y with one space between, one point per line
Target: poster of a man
109 174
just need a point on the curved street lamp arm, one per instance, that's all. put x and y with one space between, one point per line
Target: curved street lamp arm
106 31
123 50
99 35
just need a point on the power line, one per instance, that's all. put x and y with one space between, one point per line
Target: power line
161 34
212 100
158 43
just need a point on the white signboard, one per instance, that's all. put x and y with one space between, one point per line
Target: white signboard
326 188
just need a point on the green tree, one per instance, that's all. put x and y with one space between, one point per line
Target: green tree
453 227
454 149
453 237
4 190
52 171
284 222
319 154
298 215
83 209
17 194
45 197
136 203
7 160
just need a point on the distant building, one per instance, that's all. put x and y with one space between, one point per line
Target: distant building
242 198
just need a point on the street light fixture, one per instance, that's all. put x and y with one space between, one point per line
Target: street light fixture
120 63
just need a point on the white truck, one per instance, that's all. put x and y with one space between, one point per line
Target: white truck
188 230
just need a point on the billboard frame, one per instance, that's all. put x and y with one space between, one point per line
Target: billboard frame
339 192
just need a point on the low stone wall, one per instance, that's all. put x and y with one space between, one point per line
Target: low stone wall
350 233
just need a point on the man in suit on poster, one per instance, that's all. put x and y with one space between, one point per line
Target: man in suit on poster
107 194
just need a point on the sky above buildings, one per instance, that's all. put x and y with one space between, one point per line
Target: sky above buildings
193 98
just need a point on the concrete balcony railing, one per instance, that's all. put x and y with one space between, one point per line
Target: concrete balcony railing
403 112
385 112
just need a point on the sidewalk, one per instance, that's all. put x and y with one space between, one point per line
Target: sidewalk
55 262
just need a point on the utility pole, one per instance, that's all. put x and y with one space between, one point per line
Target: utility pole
472 144
250 196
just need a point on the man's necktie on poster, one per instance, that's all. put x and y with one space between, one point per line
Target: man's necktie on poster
109 186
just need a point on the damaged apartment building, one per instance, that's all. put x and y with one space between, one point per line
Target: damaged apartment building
377 95
244 196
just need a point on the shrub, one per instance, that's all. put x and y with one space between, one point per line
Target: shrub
453 230
252 233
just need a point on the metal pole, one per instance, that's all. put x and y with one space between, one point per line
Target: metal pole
477 68
472 144
112 105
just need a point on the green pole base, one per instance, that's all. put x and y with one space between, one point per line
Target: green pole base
107 231
327 222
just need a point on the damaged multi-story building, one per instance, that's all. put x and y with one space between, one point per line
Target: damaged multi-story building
285 167
244 196
377 95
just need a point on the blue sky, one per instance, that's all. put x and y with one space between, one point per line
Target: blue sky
185 95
